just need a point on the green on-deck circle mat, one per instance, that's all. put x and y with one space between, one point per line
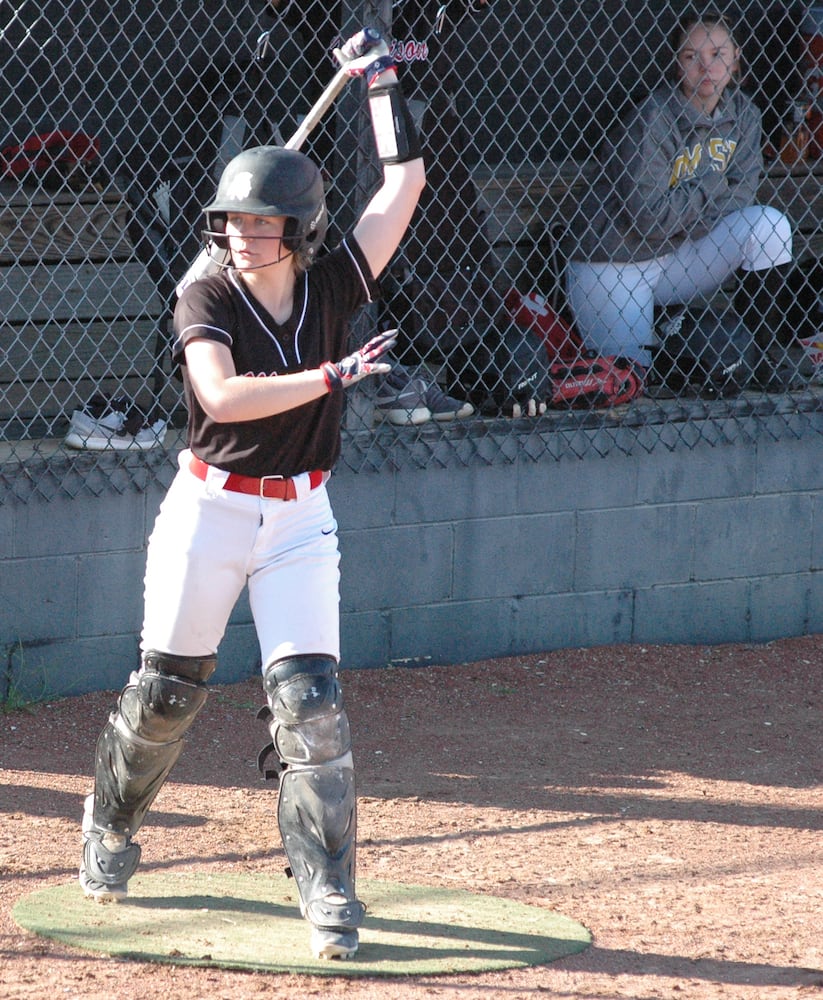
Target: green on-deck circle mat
252 922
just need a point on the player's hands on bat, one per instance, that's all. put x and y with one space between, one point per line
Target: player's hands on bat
361 53
360 364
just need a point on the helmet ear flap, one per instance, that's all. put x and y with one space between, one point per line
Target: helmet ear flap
304 245
291 240
216 224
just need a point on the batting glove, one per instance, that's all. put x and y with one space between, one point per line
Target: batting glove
360 364
365 54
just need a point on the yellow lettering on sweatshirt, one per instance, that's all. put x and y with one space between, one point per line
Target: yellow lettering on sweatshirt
685 164
721 152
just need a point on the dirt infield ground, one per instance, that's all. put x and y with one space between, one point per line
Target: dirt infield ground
669 799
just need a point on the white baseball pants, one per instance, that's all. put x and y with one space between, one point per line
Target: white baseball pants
208 544
613 304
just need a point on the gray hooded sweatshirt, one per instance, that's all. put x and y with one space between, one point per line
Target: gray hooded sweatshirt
668 175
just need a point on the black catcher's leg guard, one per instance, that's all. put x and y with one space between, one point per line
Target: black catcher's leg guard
317 816
143 738
317 808
136 750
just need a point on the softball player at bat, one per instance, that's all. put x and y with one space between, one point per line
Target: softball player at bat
256 344
673 214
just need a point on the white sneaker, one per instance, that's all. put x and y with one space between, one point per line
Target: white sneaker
333 944
401 401
102 425
151 436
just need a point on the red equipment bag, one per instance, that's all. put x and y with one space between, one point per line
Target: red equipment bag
534 312
51 155
580 380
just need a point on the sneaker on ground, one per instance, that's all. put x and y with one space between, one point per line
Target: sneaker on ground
151 435
403 404
333 944
444 407
112 425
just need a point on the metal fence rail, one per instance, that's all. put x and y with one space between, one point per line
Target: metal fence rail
116 118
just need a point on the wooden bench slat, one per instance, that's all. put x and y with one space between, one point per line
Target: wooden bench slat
523 200
37 225
81 313
74 350
54 292
50 404
59 398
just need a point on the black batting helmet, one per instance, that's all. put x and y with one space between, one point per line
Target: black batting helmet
270 180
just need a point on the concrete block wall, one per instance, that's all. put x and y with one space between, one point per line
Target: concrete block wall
709 544
713 544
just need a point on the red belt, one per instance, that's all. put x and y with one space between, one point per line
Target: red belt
267 487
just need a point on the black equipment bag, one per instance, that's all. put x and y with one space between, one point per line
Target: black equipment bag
706 350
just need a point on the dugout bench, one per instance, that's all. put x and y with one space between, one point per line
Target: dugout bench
525 202
81 314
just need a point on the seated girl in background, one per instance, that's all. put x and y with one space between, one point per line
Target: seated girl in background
673 215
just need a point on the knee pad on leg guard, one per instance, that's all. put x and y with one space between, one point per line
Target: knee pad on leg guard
143 739
317 816
305 713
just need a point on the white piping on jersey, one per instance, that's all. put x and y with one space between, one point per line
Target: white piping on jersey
362 277
202 326
302 314
239 286
232 276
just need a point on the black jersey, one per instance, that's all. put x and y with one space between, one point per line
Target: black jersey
221 308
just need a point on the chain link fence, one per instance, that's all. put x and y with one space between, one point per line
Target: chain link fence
512 292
